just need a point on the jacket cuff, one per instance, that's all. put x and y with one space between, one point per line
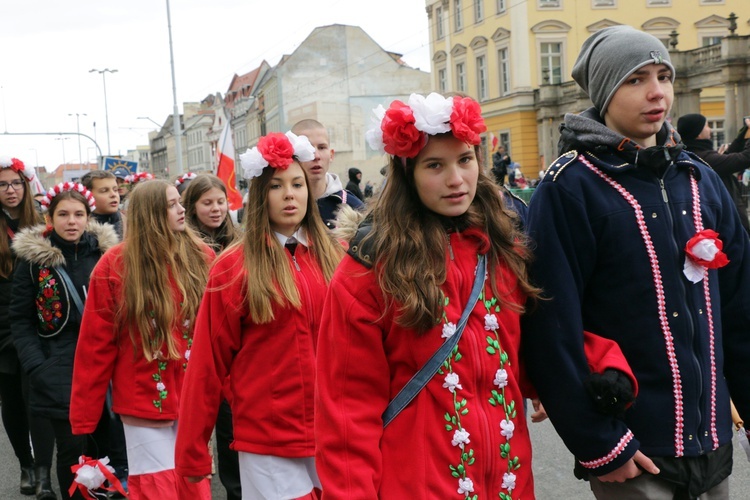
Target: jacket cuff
617 457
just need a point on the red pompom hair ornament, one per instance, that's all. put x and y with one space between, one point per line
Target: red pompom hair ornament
138 177
189 176
402 129
67 186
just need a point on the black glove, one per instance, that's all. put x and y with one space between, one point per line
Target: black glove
611 391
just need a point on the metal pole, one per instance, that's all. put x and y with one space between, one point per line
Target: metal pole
57 133
176 129
78 131
106 108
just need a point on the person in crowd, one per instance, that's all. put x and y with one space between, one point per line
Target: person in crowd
369 190
103 185
639 242
131 181
206 210
325 187
122 175
438 232
265 341
50 285
355 178
500 163
19 212
137 331
728 163
184 181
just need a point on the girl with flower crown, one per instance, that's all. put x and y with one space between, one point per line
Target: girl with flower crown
137 332
398 296
50 285
265 341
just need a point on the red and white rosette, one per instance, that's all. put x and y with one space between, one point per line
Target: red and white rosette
67 186
189 176
138 177
703 251
276 150
91 474
402 129
18 166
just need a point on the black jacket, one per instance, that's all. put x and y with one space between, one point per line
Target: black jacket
8 357
44 318
353 185
735 160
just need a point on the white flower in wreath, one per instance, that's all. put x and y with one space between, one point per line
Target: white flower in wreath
465 485
160 386
460 438
509 481
507 427
449 329
501 378
490 322
452 382
432 114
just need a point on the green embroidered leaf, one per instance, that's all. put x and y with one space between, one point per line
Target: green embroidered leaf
447 417
455 474
500 398
490 350
458 356
463 403
517 466
447 364
464 411
445 302
513 414
504 454
455 349
514 461
156 377
448 427
490 340
440 371
451 467
492 401
487 304
163 394
454 420
503 357
497 309
461 469
496 344
471 461
512 405
464 456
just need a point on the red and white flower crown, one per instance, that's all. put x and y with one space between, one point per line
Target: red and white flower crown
138 177
402 129
17 166
276 150
67 186
188 176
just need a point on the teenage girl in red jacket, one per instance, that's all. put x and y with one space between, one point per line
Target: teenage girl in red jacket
137 331
258 325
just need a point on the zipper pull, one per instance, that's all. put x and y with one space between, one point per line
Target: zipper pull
663 191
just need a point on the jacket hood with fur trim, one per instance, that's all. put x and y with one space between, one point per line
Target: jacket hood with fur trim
33 245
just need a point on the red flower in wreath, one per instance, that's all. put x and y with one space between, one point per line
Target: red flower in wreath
276 150
400 135
466 120
704 251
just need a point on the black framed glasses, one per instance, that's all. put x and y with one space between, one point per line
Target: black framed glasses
16 185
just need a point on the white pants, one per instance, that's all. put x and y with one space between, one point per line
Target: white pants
150 449
276 478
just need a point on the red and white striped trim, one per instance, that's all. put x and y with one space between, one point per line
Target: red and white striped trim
661 304
188 176
67 186
599 462
138 177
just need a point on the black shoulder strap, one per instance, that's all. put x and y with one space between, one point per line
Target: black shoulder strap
362 251
430 368
72 292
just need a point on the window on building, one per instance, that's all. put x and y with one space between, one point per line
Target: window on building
442 83
710 40
478 10
658 3
439 23
500 4
504 68
482 78
551 62
503 139
461 77
603 3
458 15
549 4
712 2
717 132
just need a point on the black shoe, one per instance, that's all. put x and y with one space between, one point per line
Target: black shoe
28 481
44 485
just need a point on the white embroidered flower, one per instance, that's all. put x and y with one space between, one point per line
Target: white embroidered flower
501 378
490 322
451 382
432 114
158 355
374 136
252 163
509 481
153 322
303 150
507 427
187 354
448 330
465 486
186 323
160 386
460 438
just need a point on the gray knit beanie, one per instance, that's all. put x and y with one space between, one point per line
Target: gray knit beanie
612 54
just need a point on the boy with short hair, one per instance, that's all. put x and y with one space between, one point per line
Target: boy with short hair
103 185
325 186
638 241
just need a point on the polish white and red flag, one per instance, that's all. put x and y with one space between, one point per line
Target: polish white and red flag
225 168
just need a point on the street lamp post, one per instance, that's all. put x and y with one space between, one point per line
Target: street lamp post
177 129
78 131
106 112
62 142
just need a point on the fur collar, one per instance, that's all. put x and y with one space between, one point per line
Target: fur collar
30 244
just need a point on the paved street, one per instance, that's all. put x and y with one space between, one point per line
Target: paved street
553 470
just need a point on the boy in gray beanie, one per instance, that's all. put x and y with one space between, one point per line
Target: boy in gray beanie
616 223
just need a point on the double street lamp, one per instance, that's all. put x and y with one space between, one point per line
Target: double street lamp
78 131
106 112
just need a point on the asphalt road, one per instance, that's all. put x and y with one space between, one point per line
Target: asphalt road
553 470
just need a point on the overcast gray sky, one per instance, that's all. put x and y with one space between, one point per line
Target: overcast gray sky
47 48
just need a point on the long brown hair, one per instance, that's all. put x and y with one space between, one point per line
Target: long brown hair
154 257
268 272
410 241
225 234
29 217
